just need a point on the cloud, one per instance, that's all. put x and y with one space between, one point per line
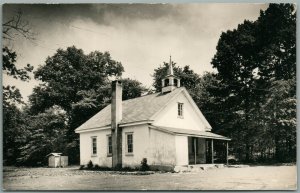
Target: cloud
141 36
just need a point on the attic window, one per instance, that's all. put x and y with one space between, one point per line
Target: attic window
180 110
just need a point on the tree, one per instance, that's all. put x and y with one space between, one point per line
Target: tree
249 59
80 84
13 119
69 72
45 134
188 77
14 130
17 26
280 111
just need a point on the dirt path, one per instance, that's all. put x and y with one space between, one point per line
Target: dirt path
250 178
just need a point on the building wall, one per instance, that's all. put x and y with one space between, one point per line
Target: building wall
181 144
162 148
51 161
140 145
86 148
169 116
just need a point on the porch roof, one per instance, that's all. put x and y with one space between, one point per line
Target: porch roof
190 132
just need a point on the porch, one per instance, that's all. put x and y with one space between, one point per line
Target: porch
193 147
207 151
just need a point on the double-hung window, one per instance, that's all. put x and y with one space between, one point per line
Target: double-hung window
109 145
129 143
94 145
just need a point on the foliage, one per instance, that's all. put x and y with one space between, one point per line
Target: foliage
46 133
131 89
11 96
144 165
14 132
14 120
251 60
9 66
69 74
90 165
188 78
80 84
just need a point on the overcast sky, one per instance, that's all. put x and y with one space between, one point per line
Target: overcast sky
140 36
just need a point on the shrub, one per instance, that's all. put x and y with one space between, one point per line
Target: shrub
144 165
90 165
97 167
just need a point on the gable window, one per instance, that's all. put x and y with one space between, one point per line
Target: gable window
180 110
94 145
129 143
109 145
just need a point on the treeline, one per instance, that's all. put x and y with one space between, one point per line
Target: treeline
251 98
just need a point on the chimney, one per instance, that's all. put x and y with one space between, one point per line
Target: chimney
116 117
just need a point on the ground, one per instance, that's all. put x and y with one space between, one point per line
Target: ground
246 178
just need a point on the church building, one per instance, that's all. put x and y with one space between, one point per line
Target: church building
167 128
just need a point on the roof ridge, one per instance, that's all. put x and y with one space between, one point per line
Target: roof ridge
135 109
150 95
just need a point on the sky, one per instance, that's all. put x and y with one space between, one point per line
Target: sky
140 36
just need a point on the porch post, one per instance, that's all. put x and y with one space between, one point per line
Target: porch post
195 149
227 153
212 151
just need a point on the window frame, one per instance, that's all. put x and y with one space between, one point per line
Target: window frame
126 144
180 109
109 154
92 146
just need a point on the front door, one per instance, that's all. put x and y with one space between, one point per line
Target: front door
197 150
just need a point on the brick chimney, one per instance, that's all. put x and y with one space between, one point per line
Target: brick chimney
116 117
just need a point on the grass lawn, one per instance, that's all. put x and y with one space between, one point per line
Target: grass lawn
248 178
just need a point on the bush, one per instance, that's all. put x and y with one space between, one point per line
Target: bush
144 165
96 167
90 165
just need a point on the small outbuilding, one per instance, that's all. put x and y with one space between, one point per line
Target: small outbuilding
57 160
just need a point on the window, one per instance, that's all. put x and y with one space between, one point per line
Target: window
167 82
175 82
180 109
129 143
94 145
109 145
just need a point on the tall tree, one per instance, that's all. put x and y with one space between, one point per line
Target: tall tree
13 119
45 134
80 84
188 77
248 60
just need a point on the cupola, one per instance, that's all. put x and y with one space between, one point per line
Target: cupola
170 82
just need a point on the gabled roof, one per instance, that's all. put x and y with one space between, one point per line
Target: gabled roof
54 154
134 110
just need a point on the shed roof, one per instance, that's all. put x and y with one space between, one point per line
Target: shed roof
134 110
203 134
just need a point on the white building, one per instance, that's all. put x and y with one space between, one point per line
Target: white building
167 128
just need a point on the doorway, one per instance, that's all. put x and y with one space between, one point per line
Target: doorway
197 150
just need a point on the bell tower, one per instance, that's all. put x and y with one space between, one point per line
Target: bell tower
170 82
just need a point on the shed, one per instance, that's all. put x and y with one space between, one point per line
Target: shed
57 160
